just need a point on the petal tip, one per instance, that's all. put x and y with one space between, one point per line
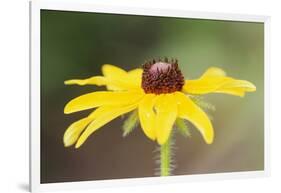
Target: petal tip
209 139
66 140
79 142
250 87
105 67
253 88
66 144
161 141
66 110
77 145
69 82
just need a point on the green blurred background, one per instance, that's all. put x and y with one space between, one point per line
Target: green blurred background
76 44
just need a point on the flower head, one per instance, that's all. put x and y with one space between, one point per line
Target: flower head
160 77
158 92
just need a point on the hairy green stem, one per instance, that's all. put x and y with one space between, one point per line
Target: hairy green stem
165 158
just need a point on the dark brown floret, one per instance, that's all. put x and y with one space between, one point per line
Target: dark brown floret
162 76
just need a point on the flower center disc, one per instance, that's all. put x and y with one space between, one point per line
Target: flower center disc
162 76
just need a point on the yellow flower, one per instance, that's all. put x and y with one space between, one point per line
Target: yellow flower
158 92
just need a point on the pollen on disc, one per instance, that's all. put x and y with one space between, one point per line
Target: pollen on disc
160 66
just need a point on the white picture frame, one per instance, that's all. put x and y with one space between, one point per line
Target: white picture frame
36 6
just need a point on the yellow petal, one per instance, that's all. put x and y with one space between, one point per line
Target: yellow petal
95 80
233 91
147 115
203 86
74 130
215 81
114 78
135 77
213 72
236 87
241 84
99 81
166 114
120 79
111 84
106 114
112 71
136 73
95 99
188 110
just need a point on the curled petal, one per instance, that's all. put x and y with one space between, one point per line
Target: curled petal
95 80
114 78
188 110
111 84
215 81
236 87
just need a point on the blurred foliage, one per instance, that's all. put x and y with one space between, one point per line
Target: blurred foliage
130 123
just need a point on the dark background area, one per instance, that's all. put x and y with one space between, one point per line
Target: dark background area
76 45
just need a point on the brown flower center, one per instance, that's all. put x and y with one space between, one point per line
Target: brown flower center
160 77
